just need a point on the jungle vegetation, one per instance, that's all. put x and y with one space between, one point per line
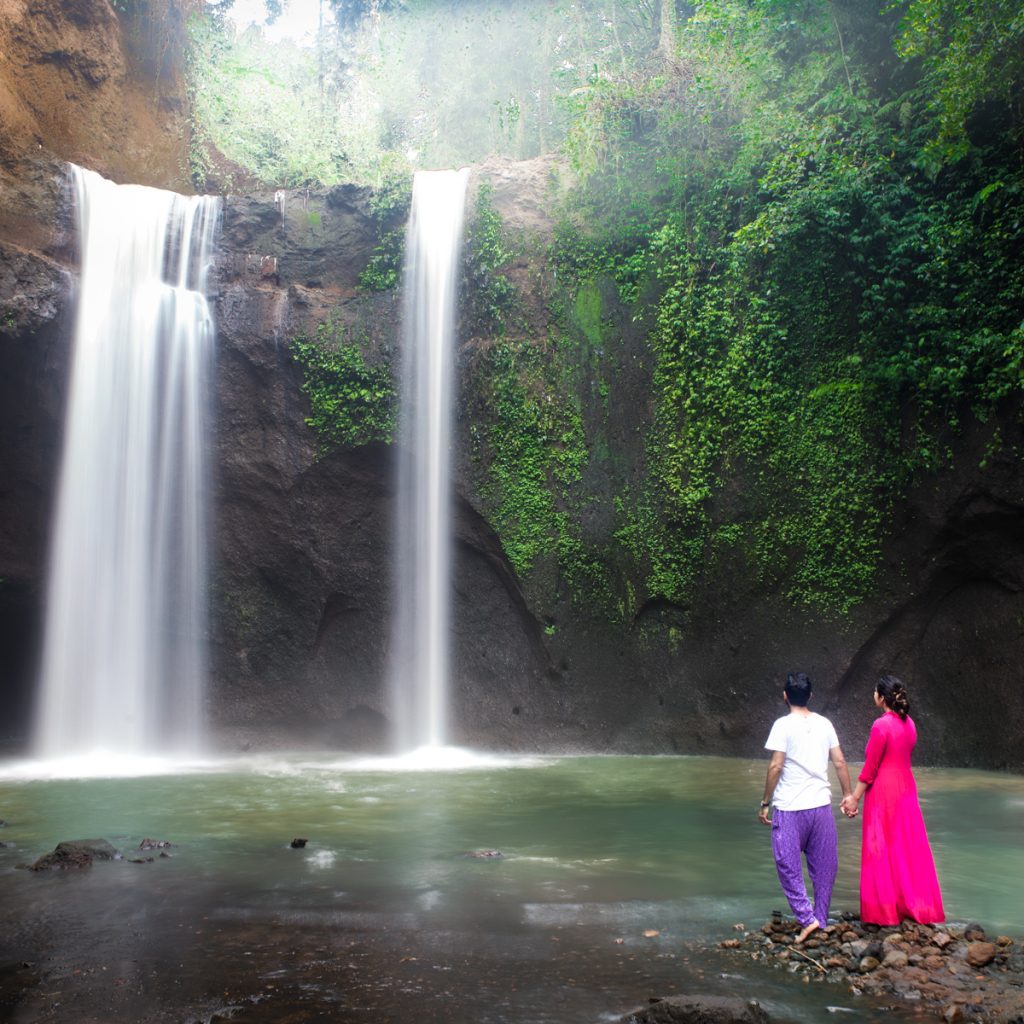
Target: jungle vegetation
810 211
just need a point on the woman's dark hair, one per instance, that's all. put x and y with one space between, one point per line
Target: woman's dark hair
894 694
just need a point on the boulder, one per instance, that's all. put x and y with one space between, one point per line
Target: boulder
76 853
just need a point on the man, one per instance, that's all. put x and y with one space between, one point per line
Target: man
802 743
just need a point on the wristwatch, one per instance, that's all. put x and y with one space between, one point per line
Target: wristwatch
765 803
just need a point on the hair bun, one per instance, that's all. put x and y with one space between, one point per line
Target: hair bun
894 694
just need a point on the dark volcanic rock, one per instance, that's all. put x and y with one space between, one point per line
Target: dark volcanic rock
34 323
311 239
303 591
76 853
698 1010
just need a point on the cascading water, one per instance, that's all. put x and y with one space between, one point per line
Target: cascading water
420 670
123 659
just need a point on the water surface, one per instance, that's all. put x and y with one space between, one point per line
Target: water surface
383 916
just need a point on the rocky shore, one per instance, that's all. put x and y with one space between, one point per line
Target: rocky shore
961 974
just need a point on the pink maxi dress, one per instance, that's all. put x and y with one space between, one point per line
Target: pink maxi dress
897 871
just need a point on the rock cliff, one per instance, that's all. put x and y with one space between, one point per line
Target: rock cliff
301 586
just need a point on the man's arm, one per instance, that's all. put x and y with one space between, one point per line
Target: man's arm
772 780
843 773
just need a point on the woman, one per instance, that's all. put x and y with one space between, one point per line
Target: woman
897 871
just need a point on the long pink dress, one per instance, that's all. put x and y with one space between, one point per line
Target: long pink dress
897 871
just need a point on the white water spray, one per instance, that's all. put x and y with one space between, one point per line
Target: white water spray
421 642
123 659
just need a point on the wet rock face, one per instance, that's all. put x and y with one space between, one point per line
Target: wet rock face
944 626
303 581
308 239
301 592
34 322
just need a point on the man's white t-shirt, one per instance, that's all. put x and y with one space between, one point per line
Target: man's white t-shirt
806 741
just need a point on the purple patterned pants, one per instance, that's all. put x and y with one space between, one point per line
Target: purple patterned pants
813 834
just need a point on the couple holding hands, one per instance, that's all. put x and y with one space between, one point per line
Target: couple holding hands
897 873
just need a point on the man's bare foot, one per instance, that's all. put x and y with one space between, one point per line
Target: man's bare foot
807 930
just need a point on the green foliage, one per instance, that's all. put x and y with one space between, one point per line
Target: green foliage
390 208
488 294
436 83
826 312
532 442
351 403
274 111
384 271
972 52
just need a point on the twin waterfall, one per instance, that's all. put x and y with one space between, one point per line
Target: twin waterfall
123 666
422 628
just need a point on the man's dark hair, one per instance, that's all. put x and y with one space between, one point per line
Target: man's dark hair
798 689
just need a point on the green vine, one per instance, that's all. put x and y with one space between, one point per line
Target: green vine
390 208
351 403
533 445
490 297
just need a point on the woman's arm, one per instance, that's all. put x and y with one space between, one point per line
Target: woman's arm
872 759
873 754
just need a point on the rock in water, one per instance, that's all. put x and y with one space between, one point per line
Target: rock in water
76 853
154 844
298 844
698 1010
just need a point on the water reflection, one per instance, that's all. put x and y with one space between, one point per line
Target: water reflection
383 915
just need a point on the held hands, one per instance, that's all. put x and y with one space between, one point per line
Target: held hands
849 805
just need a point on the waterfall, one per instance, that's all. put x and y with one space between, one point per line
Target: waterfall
421 642
123 659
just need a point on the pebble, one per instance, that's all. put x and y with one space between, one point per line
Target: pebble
980 954
895 958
